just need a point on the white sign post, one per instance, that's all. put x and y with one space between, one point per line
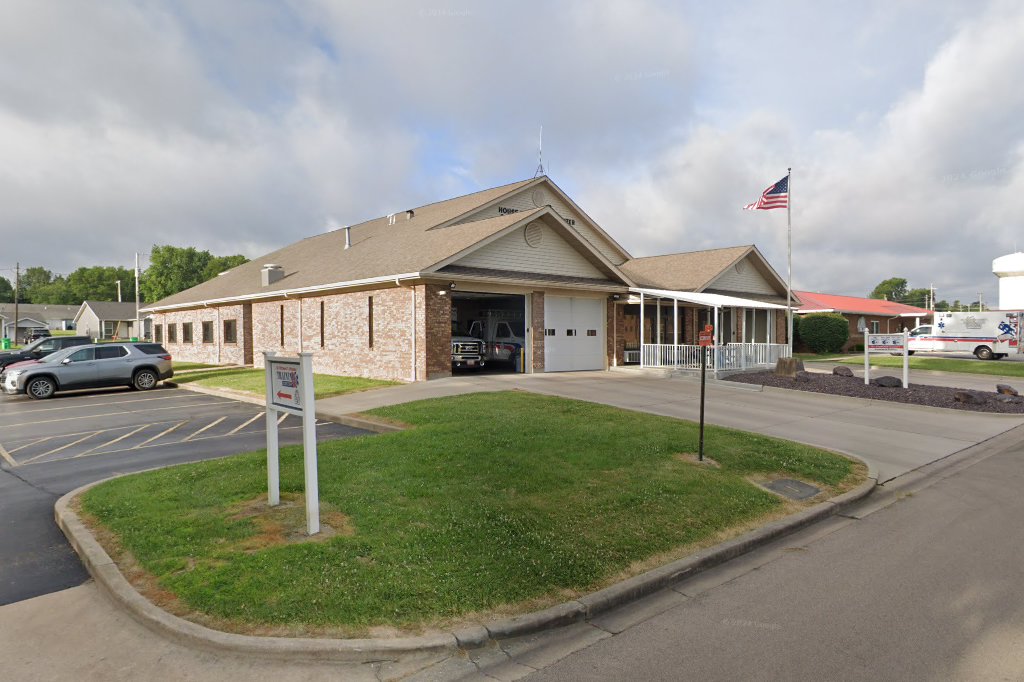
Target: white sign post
890 344
290 391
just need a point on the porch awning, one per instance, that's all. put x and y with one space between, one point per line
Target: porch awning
708 300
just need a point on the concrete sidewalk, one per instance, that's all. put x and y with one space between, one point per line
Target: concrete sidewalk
891 437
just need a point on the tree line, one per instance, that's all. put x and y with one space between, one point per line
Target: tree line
897 289
171 269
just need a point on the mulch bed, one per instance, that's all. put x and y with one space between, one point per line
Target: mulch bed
917 394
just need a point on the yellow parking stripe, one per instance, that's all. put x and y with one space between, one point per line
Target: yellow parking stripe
111 442
37 441
111 414
239 428
63 447
162 433
7 457
208 426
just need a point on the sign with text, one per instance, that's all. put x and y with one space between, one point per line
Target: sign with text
289 383
885 343
285 388
706 336
893 344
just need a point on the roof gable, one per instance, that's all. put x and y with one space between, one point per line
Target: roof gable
541 192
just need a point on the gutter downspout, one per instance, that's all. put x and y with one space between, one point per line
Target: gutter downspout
412 290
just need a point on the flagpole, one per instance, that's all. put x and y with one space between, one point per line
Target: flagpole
789 252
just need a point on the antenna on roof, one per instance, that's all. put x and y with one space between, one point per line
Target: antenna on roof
540 154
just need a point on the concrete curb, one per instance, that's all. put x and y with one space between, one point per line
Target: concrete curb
360 422
429 648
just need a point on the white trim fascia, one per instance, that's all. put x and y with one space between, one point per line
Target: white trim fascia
283 292
536 284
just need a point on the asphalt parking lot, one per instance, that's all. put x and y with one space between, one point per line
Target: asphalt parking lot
50 447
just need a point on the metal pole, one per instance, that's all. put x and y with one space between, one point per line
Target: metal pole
138 326
703 374
789 265
17 286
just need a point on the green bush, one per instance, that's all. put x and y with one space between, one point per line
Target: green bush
824 332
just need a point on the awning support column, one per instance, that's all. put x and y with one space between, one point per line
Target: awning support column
641 330
675 331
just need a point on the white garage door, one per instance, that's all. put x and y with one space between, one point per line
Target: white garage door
573 333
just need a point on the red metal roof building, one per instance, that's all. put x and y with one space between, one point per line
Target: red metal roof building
864 314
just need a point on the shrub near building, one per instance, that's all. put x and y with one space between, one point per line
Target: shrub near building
823 332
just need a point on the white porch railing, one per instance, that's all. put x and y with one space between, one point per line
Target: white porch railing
731 357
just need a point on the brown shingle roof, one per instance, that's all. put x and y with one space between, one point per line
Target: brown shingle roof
690 271
378 250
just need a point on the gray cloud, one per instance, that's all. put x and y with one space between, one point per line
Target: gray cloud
239 127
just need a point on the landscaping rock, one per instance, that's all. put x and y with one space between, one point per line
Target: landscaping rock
788 367
1006 389
888 382
967 397
1007 398
842 371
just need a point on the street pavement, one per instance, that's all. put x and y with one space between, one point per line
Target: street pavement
925 588
77 633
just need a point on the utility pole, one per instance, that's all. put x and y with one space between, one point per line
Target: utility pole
118 283
138 330
17 285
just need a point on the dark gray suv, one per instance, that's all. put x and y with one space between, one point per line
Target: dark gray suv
139 365
41 348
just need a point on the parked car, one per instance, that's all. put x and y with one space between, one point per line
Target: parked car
41 348
138 365
35 334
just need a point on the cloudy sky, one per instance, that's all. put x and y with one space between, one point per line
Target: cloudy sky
241 126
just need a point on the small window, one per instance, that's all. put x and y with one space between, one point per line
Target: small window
322 324
874 326
208 332
186 332
230 331
549 332
281 325
570 332
111 352
591 332
172 333
369 320
158 333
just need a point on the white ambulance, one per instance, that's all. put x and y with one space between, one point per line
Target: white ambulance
990 335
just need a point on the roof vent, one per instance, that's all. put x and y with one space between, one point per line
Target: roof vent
391 218
409 214
271 273
348 237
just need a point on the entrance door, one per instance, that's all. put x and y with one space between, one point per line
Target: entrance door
573 333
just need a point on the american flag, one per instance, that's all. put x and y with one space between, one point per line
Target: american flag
776 196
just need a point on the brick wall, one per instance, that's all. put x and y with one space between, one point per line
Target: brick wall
215 353
537 324
616 335
435 349
346 349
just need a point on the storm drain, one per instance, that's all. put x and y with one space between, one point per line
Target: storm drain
794 490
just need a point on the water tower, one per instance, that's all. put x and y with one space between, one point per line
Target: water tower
1010 271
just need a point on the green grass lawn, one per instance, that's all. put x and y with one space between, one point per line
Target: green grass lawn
254 381
822 357
182 366
971 366
489 501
